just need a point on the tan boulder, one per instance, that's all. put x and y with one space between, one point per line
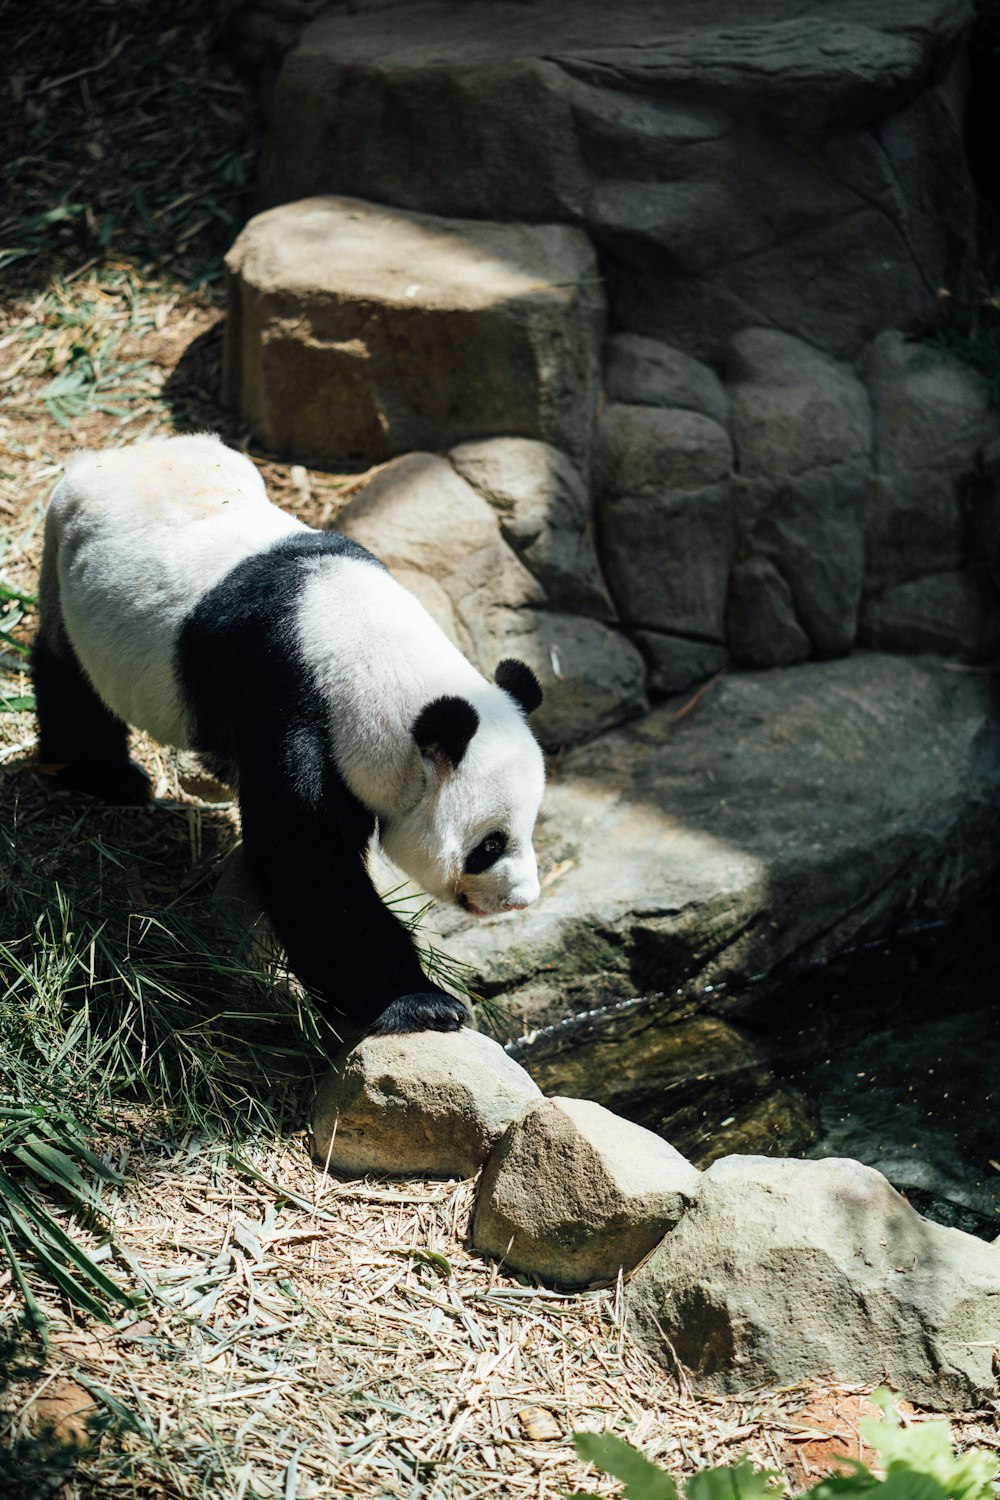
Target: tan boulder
785 1270
361 331
573 1193
443 541
432 1101
544 508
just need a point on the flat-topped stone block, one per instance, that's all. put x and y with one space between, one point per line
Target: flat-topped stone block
360 331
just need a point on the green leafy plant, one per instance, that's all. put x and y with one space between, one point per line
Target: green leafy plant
919 1462
13 603
48 1143
968 329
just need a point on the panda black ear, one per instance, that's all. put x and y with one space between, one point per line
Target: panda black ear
520 682
445 728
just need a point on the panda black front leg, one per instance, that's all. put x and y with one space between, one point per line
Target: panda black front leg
305 845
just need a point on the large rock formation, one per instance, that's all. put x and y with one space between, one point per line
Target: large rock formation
787 168
763 203
773 474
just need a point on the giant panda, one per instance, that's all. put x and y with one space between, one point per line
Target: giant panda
176 598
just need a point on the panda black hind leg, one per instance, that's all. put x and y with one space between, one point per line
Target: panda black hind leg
84 743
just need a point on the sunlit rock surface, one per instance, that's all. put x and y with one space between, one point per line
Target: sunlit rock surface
785 814
431 1102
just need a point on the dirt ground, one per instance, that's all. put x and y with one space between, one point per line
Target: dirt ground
292 1334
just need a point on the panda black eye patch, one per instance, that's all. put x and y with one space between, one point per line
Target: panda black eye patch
486 853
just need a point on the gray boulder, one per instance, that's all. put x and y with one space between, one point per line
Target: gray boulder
593 678
792 408
913 526
932 420
648 450
809 528
761 621
574 1193
665 524
668 558
802 433
442 541
646 372
676 662
543 506
931 412
357 330
784 1270
431 1102
957 614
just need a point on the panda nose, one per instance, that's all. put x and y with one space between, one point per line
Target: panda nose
515 905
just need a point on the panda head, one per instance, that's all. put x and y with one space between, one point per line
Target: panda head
467 837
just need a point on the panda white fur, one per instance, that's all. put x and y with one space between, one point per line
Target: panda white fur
176 598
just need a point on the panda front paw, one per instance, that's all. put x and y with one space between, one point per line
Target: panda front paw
433 1011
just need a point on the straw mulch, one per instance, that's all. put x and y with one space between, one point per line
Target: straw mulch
306 1336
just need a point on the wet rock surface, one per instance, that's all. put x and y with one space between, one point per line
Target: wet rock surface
889 1054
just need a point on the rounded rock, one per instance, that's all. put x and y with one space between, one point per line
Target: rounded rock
428 1101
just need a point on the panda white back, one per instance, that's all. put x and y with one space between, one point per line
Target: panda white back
140 534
